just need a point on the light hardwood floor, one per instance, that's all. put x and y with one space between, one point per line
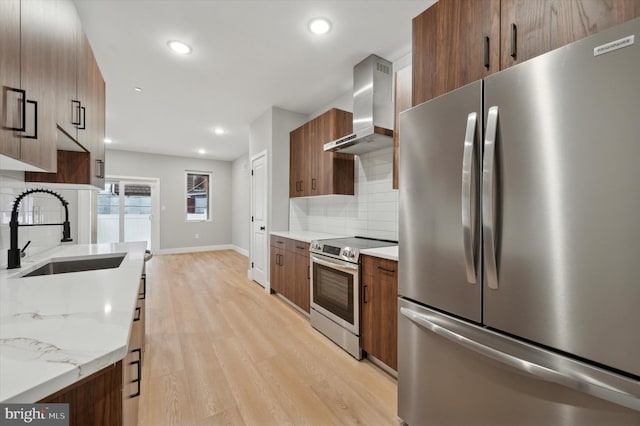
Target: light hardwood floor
220 350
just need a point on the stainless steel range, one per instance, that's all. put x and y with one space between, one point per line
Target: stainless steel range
335 288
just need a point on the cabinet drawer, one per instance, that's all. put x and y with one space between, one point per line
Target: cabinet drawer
380 268
296 246
277 241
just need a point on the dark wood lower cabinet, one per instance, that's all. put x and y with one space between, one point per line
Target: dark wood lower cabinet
289 272
302 277
95 400
277 275
380 309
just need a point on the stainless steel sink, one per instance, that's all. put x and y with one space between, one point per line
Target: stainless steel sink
77 264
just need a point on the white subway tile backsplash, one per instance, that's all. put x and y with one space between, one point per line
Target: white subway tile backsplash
371 212
33 209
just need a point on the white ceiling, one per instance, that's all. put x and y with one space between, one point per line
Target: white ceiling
248 55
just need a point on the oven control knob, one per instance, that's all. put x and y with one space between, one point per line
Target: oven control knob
349 253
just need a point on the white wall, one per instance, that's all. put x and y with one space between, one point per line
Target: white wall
270 132
175 232
343 102
241 203
260 133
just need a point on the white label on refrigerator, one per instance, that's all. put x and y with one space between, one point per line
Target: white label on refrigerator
614 45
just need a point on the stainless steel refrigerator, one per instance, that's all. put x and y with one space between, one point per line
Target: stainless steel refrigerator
519 272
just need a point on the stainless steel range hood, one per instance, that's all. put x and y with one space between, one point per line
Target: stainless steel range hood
372 109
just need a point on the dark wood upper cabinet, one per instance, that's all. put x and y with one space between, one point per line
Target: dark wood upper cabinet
53 94
67 104
10 111
450 37
531 28
314 171
455 42
97 154
91 94
297 163
402 102
29 63
76 89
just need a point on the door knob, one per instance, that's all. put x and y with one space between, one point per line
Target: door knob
262 228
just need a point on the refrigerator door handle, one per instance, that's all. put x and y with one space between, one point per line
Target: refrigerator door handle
570 379
469 206
488 198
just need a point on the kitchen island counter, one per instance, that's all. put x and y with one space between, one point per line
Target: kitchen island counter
58 329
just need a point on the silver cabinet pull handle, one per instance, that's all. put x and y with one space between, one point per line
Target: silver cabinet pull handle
468 210
568 378
488 198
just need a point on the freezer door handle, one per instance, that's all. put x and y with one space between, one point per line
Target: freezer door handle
469 198
488 188
569 378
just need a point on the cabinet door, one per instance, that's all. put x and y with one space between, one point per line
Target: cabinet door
455 42
97 155
67 28
531 28
276 277
302 283
296 160
86 94
342 165
320 161
38 63
333 172
379 309
10 109
313 171
402 102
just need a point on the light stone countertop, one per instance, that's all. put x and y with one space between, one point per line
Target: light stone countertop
58 329
390 253
307 236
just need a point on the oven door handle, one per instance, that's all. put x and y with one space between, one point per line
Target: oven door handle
342 266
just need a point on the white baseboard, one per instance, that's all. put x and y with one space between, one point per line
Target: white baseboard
240 250
197 249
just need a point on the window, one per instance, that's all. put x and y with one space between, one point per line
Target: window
198 196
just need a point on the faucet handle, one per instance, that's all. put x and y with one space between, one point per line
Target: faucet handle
22 253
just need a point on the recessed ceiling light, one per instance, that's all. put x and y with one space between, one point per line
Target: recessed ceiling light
319 26
107 140
137 89
219 131
201 151
179 47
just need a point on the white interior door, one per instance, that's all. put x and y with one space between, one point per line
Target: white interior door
259 240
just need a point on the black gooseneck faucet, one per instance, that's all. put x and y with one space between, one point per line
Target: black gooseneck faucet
14 251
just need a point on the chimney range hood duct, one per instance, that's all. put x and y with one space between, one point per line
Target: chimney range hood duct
372 109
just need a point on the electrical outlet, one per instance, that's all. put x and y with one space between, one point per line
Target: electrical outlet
197 236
